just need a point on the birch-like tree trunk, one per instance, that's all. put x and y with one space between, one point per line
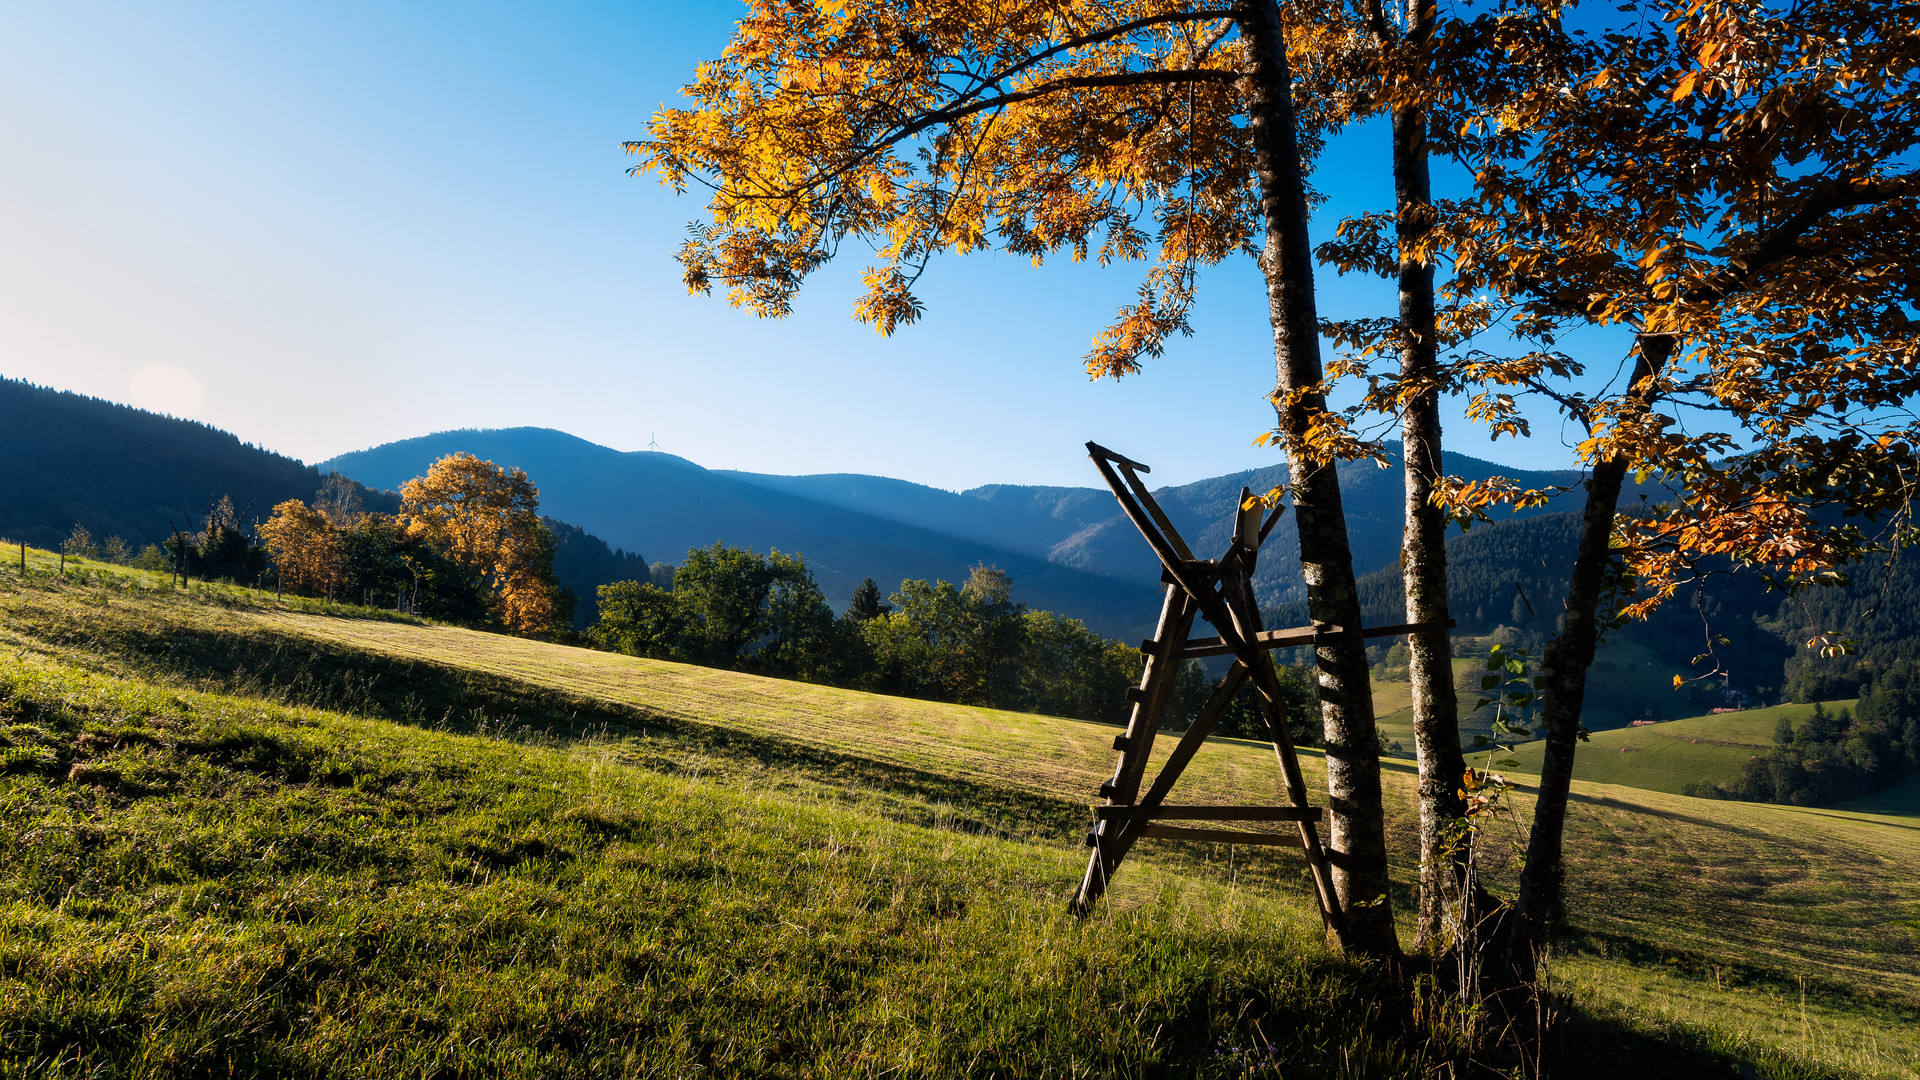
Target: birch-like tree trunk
1357 830
1423 553
1564 667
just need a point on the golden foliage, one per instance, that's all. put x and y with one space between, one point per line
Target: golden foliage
486 518
1735 185
1111 130
305 547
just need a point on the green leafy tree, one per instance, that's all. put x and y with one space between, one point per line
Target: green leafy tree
115 550
724 592
730 607
152 558
867 602
797 631
951 642
640 619
1068 670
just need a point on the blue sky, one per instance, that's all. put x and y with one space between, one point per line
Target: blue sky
323 227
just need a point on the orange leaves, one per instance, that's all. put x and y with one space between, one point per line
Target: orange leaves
952 126
1470 500
305 547
888 303
486 518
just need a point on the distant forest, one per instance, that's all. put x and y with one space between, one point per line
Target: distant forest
121 471
118 471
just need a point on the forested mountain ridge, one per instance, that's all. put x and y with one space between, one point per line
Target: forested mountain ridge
1068 549
122 471
1083 527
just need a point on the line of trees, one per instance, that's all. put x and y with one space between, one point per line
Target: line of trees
80 544
468 546
969 643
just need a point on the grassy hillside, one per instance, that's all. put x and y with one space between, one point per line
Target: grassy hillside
1664 757
500 856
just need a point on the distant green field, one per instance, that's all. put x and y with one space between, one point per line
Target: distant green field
1393 708
1667 756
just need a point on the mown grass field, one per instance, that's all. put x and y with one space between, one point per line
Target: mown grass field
1665 756
499 856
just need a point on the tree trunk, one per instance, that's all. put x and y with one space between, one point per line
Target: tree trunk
1357 829
1423 558
1541 905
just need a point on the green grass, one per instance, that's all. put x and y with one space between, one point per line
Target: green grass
497 856
1669 755
220 885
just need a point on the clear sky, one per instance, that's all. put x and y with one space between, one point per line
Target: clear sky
328 226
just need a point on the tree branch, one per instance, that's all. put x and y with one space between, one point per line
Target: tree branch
1783 240
1065 82
1094 38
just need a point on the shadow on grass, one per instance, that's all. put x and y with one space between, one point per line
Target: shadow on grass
306 672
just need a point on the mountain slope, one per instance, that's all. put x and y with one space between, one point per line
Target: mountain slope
123 471
1084 528
664 505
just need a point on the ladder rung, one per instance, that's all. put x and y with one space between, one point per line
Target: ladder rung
1207 813
1221 836
1303 635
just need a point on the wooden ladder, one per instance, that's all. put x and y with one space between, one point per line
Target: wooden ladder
1221 591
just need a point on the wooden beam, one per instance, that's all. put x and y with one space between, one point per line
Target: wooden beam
1099 451
1220 836
1207 813
1301 635
1266 639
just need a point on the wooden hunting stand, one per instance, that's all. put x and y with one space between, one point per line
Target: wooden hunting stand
1221 591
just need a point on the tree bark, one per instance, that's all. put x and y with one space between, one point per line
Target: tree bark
1423 557
1542 902
1357 830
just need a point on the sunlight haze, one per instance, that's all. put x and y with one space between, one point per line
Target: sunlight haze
329 227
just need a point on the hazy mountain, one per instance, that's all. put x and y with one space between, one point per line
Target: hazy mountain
1084 528
664 505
